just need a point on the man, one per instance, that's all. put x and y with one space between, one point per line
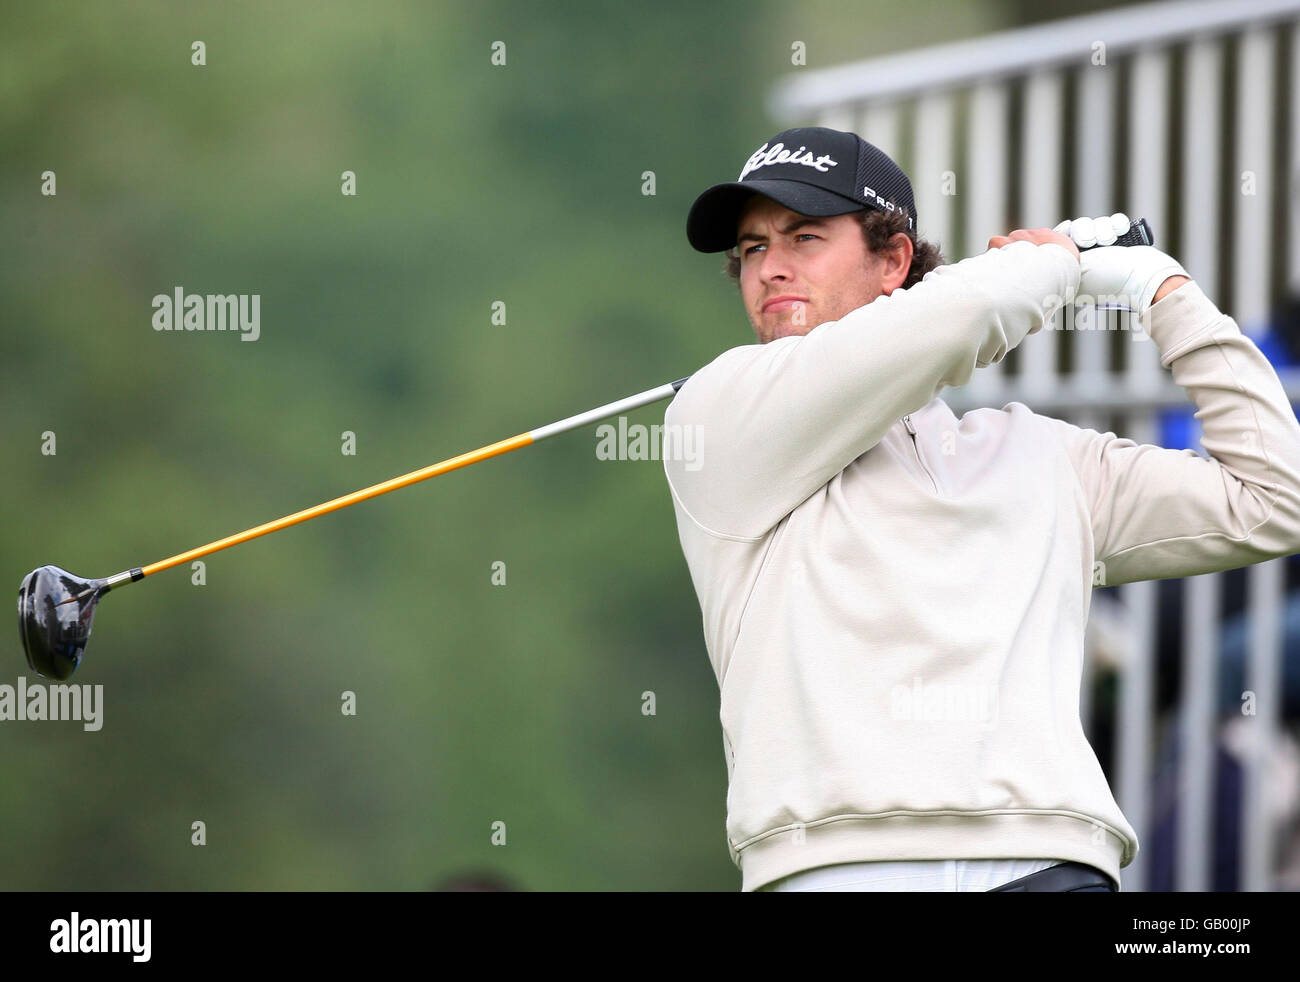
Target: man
894 599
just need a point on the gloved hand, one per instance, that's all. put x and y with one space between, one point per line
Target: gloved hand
1116 277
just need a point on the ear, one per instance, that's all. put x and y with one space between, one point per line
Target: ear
897 263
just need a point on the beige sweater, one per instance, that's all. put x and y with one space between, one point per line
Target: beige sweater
894 599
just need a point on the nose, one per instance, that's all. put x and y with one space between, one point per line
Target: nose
774 263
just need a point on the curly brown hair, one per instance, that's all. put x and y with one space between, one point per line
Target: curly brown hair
878 227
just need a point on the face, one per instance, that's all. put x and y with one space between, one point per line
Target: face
821 266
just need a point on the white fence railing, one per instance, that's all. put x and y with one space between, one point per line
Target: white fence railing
1183 113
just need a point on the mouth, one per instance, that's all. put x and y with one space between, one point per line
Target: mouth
782 303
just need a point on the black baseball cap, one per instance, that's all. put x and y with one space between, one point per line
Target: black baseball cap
812 170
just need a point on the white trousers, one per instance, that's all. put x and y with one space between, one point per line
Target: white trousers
934 875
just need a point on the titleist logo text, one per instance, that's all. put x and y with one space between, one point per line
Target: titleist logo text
780 155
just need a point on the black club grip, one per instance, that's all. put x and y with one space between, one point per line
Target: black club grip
1139 233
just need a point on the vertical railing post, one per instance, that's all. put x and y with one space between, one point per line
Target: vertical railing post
1041 205
985 194
1197 732
934 156
1251 254
1263 678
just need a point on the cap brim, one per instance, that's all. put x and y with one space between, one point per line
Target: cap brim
711 224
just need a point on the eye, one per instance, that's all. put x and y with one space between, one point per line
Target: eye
799 236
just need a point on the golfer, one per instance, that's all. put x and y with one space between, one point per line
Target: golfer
893 598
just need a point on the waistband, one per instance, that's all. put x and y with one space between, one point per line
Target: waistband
861 839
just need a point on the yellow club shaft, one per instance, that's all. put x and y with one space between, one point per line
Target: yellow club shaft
414 477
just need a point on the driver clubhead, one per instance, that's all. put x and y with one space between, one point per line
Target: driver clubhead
55 610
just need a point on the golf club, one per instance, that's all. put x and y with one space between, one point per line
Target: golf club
56 608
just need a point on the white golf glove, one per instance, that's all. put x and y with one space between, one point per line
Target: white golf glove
1116 277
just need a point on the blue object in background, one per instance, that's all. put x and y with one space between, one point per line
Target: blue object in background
1180 429
1274 350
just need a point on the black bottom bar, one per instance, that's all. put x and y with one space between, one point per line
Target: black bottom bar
542 930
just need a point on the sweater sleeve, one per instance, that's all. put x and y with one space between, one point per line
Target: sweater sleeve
1159 513
777 421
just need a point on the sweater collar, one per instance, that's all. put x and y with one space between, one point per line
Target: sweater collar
935 405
